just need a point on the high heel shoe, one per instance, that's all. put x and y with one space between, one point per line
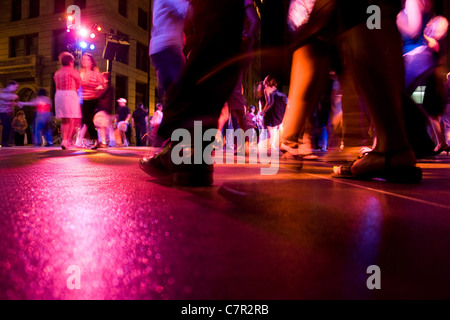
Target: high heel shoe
444 148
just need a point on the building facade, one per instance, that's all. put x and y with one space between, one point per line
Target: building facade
34 32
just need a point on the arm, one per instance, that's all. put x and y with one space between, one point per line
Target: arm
77 77
432 43
269 100
253 19
409 21
128 118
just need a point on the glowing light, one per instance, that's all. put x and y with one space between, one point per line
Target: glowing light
83 44
99 28
70 18
84 32
92 35
92 47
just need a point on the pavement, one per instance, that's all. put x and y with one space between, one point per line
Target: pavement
83 224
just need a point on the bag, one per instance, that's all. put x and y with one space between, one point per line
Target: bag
122 126
102 119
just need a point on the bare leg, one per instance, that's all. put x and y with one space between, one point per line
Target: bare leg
309 72
82 133
376 62
65 130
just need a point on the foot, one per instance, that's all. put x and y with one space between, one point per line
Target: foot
345 154
441 148
396 166
161 166
293 152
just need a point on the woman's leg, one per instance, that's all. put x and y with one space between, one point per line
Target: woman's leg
375 60
309 74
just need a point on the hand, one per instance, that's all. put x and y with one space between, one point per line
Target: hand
432 43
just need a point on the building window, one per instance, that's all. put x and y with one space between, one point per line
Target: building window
59 6
61 39
24 45
34 8
80 3
123 7
142 19
16 13
142 59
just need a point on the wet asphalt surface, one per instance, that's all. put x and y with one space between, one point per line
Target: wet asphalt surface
94 219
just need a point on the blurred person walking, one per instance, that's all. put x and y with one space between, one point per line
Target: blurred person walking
43 105
91 84
422 34
103 113
67 105
19 126
123 116
139 121
205 84
166 43
8 100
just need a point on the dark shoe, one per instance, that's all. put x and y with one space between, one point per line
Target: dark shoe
161 166
388 172
440 149
95 146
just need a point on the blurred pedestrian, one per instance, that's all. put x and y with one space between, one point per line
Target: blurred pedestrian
166 43
123 116
205 84
67 105
273 111
139 120
374 58
44 130
155 122
103 113
91 83
8 100
422 34
19 126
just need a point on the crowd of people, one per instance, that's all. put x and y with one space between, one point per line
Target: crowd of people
346 72
84 112
350 90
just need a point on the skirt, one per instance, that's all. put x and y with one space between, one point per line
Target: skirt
67 104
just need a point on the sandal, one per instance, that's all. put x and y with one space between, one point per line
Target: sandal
292 152
398 174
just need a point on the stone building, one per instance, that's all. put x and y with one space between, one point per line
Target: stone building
34 32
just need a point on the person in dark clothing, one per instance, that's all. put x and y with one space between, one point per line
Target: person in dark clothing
103 112
206 82
373 58
140 124
8 100
123 116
